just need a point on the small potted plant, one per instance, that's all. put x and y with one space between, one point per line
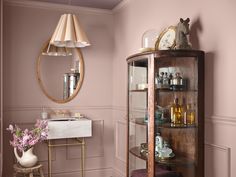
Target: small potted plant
25 140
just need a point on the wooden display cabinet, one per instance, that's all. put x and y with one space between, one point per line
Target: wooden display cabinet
152 112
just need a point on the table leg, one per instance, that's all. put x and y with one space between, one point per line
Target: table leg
81 142
14 174
49 159
41 172
83 157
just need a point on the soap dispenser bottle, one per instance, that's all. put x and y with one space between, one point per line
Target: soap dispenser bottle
44 114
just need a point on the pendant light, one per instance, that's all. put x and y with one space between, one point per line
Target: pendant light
69 33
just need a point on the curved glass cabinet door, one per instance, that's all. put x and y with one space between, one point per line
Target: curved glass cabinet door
166 114
137 95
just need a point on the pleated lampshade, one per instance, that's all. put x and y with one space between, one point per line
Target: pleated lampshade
69 33
52 50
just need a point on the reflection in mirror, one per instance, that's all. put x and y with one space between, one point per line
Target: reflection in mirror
60 77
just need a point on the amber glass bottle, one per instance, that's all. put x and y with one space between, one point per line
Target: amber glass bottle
183 111
189 115
176 113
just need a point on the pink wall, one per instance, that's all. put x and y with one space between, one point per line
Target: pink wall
26 29
213 30
103 94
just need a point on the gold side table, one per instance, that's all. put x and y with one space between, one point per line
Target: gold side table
80 142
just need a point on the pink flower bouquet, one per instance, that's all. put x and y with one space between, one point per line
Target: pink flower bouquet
25 139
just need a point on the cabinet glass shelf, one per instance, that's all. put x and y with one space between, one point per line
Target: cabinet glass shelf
140 121
162 90
177 160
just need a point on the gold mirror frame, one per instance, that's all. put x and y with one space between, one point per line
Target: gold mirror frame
79 84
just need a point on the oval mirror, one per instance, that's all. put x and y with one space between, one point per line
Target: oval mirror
60 76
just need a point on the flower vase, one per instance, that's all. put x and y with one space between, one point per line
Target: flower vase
28 159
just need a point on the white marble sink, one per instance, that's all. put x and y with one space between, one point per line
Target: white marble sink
69 128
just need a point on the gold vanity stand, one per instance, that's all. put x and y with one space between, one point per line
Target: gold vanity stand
68 128
79 142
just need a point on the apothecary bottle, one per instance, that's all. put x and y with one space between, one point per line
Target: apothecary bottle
176 113
189 115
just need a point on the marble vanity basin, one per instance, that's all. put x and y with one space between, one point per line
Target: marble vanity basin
60 128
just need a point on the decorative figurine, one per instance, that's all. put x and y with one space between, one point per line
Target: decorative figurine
159 143
182 30
162 149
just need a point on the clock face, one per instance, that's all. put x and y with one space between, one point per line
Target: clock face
166 40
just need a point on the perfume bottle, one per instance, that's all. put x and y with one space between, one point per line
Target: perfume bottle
189 115
160 80
183 110
170 81
177 82
176 113
166 80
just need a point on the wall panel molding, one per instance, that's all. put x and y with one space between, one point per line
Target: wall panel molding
101 172
56 7
120 132
221 119
59 107
119 108
73 107
118 173
73 152
217 151
223 148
